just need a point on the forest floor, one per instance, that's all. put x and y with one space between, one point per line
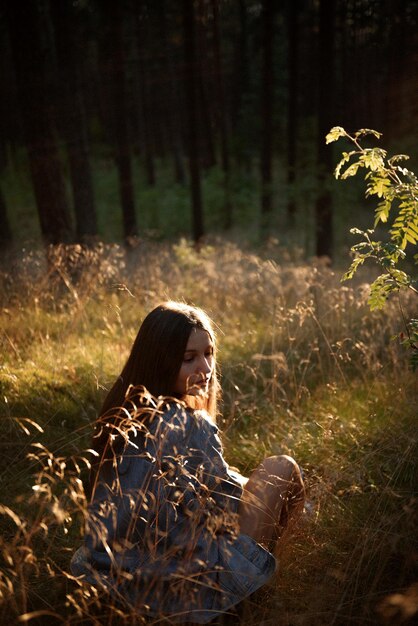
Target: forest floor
306 370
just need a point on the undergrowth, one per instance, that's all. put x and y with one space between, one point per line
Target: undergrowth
306 370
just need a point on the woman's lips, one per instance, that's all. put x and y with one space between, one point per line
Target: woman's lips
201 384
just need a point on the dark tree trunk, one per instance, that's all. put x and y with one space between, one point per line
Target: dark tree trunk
145 108
227 211
396 51
71 114
5 230
34 99
241 76
172 105
207 152
10 130
191 107
114 91
343 87
204 87
323 207
242 94
267 116
292 111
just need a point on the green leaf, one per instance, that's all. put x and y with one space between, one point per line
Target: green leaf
398 157
382 212
351 170
400 278
411 238
335 133
353 268
367 131
414 227
346 157
361 246
373 158
392 251
378 186
380 290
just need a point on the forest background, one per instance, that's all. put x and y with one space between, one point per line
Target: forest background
176 149
166 119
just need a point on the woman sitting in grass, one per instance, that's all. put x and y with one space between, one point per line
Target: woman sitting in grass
172 530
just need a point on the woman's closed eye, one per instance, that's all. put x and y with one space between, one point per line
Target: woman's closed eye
190 358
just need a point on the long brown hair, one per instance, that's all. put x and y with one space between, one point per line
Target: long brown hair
154 363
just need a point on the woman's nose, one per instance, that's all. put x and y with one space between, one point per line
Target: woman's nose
205 365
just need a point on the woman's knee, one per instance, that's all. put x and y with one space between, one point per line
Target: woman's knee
281 465
283 471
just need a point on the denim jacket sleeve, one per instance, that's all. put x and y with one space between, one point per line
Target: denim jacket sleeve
193 475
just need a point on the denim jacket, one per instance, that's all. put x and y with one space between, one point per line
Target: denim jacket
162 530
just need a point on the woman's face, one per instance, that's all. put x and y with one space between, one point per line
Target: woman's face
197 366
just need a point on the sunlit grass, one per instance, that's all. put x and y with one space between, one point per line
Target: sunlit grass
307 370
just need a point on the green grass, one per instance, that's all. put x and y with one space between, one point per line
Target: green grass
307 370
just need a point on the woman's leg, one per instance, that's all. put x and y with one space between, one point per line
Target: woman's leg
273 494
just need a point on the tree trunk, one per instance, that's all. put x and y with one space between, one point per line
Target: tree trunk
242 93
396 56
145 110
34 99
5 230
267 117
207 143
204 90
227 211
191 107
292 110
71 113
323 207
172 105
112 50
241 77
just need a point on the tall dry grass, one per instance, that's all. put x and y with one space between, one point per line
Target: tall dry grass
306 370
